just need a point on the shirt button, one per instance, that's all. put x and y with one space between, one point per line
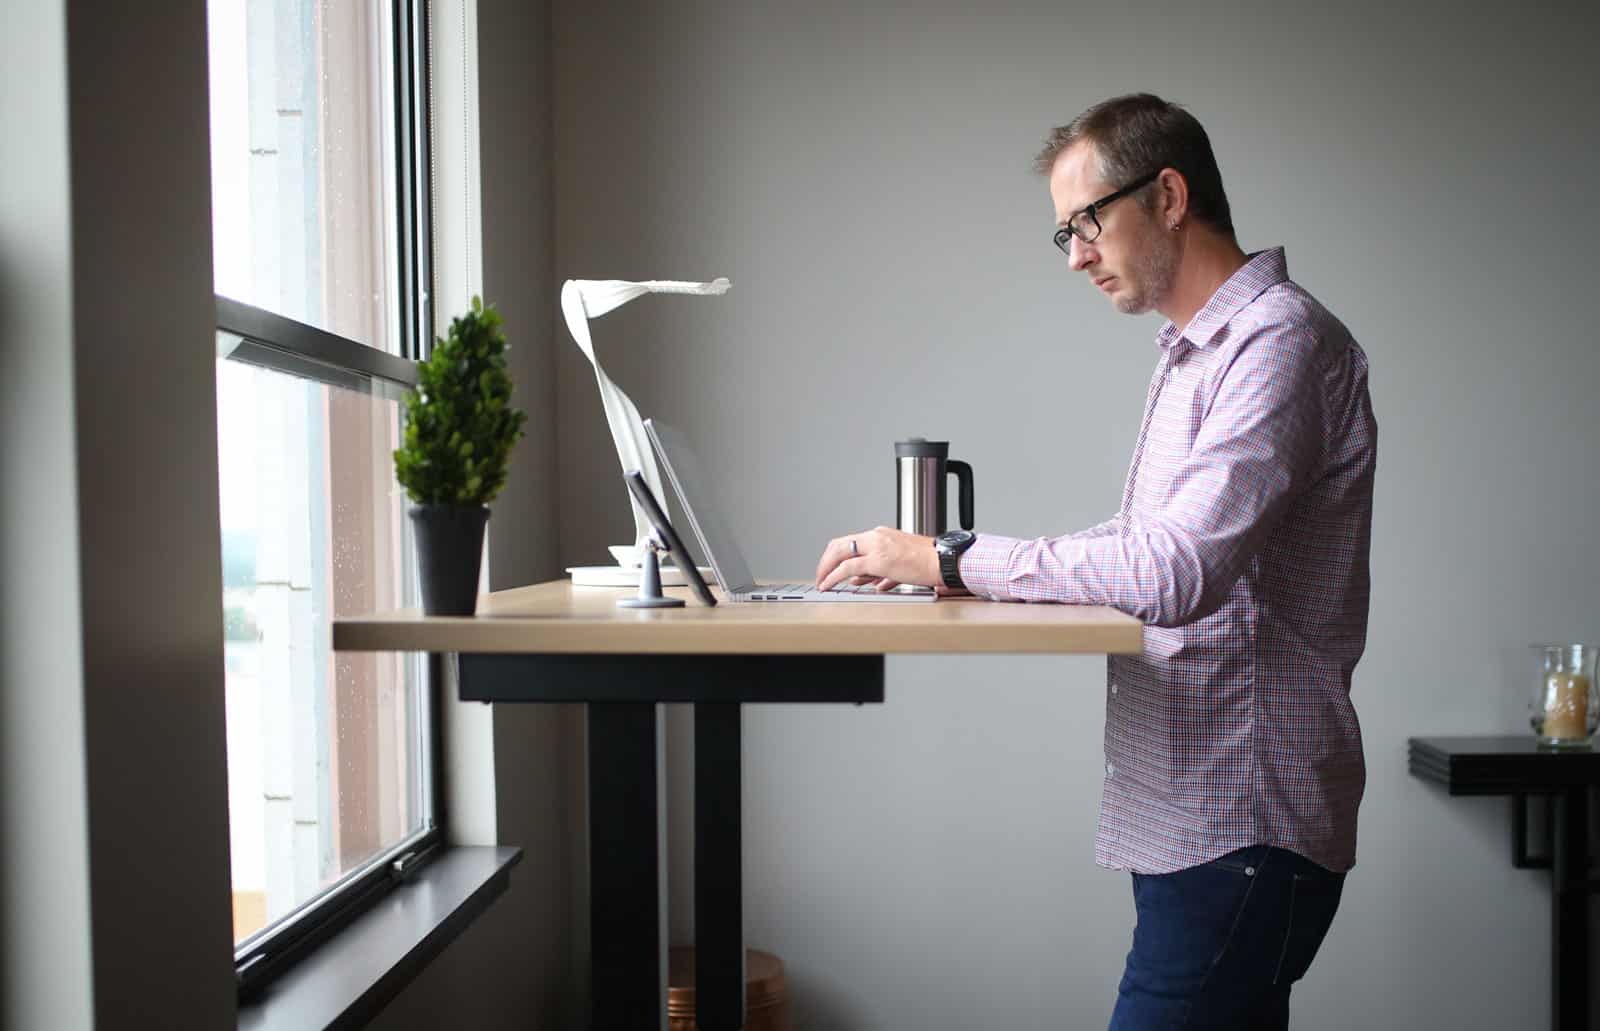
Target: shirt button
1110 770
1249 871
1113 688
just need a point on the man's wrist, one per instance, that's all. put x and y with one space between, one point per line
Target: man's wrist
949 547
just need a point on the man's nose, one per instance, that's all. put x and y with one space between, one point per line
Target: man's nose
1079 253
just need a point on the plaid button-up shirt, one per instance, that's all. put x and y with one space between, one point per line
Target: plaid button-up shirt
1242 541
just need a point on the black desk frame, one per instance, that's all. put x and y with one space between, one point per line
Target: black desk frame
1509 766
627 906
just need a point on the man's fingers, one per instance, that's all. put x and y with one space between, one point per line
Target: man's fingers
836 550
843 571
887 584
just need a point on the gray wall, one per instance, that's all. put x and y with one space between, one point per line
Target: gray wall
113 806
522 964
538 749
863 178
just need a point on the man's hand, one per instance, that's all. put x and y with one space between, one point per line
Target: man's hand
889 556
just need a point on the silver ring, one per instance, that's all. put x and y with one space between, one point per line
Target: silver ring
855 552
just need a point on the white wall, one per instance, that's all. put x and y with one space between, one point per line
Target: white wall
114 913
44 886
144 346
863 178
114 840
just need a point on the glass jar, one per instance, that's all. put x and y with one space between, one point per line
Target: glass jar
1564 708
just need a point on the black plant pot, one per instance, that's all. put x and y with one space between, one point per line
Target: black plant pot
449 555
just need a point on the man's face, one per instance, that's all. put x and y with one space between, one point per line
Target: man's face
1131 261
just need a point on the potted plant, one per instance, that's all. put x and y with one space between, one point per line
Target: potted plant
459 431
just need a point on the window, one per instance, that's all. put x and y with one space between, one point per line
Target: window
319 200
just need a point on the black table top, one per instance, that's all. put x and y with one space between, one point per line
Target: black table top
1501 765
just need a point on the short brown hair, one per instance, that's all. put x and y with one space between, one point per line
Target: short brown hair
1140 133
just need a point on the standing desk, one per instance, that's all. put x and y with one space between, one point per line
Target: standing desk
555 642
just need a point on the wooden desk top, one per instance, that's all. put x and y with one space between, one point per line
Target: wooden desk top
557 617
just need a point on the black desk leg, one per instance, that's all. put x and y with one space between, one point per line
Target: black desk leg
627 943
718 867
1569 890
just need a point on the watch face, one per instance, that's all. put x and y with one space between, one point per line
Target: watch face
956 538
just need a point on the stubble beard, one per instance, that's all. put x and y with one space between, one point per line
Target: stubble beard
1153 272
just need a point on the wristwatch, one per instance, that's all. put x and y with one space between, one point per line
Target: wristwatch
951 545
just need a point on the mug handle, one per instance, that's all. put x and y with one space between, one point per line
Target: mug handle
963 474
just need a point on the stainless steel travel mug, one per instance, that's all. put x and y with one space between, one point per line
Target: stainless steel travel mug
922 469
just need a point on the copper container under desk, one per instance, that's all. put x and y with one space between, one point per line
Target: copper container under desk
766 995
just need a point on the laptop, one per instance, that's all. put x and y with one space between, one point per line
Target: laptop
688 482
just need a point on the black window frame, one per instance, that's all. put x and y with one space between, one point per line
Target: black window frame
267 339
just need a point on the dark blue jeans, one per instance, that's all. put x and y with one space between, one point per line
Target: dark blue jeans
1218 945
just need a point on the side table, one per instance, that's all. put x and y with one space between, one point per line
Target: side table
1519 767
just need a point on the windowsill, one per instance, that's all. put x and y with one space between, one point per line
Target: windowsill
353 974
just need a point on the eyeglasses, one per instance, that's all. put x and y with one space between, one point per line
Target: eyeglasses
1085 222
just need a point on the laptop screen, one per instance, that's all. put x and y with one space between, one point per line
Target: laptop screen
694 493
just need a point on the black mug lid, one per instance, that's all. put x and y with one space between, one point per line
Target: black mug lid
916 447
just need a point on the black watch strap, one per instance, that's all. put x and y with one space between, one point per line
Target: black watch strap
950 570
951 547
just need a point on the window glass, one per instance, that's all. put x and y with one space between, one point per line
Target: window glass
326 751
303 162
324 747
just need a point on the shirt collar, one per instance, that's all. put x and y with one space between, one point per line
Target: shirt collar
1264 270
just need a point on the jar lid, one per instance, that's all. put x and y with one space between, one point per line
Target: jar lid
764 983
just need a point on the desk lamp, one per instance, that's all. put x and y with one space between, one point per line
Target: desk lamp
585 299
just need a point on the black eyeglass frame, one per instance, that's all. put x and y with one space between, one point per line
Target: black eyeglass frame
1063 236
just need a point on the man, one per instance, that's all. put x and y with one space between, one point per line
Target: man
1233 756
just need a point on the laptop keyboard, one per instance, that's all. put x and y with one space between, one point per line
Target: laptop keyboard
784 592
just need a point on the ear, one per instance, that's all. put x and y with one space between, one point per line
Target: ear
1172 201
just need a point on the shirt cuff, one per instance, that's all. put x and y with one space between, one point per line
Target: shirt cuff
985 567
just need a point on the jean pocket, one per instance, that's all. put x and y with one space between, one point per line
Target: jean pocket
1185 924
1313 899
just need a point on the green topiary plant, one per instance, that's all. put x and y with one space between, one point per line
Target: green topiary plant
460 425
